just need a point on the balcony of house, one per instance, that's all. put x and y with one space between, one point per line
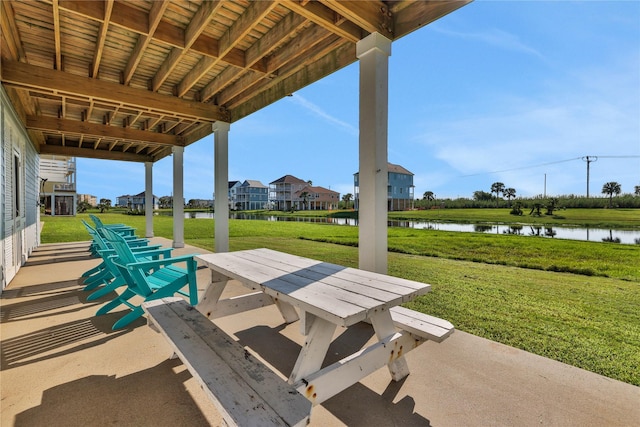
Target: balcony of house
64 187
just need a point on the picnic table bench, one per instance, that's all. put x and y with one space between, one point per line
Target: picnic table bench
322 296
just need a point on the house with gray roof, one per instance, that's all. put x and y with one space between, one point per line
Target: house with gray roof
400 188
251 195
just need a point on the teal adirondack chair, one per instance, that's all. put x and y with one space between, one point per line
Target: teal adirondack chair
122 229
150 280
100 274
112 278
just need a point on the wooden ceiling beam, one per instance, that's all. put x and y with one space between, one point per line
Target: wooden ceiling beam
417 14
55 125
296 78
94 154
324 43
371 16
26 76
102 36
10 32
325 17
240 28
289 53
132 19
56 36
155 15
256 53
196 26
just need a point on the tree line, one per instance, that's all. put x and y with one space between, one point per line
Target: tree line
498 191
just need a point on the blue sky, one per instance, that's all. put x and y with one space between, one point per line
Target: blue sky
505 91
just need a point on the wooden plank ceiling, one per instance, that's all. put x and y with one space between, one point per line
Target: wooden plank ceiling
127 80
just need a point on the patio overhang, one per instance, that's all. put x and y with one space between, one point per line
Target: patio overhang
130 80
140 80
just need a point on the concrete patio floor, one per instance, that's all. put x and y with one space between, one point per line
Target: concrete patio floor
63 366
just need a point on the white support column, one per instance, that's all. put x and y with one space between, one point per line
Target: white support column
373 53
178 197
148 199
221 185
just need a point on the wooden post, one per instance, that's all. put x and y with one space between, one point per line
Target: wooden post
148 199
373 52
178 196
221 185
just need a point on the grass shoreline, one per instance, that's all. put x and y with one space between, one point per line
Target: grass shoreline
619 218
591 322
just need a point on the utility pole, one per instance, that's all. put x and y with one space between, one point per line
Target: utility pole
589 160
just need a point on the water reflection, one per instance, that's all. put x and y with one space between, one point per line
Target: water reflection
571 233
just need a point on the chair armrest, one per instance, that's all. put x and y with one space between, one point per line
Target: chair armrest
166 252
136 249
157 263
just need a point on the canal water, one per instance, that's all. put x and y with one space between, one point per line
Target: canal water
631 237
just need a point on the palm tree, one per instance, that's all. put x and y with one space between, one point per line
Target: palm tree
611 188
498 188
636 190
428 196
346 199
509 193
305 198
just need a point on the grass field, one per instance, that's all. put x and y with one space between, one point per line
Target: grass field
576 302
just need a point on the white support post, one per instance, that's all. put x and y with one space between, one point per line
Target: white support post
221 185
148 199
373 52
178 197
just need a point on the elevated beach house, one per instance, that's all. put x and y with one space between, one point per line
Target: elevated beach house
399 188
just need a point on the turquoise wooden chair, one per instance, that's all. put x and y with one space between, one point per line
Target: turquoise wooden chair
100 274
122 229
150 280
112 279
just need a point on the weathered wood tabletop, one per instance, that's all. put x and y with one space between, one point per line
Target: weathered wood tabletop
326 296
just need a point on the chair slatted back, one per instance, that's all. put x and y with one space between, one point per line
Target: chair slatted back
136 278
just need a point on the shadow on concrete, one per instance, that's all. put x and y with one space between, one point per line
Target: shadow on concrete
57 259
355 406
155 396
59 340
52 288
46 306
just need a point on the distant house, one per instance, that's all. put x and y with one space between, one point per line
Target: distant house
252 195
135 203
200 203
316 198
282 192
399 188
232 193
92 200
58 185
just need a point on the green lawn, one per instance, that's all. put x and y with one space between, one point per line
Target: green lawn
576 302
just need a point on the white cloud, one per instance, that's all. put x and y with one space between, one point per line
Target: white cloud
316 110
493 37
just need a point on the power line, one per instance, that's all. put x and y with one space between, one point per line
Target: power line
549 163
522 168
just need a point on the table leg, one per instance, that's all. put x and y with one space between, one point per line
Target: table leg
383 326
288 312
315 347
211 295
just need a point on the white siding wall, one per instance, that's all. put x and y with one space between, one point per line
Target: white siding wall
19 233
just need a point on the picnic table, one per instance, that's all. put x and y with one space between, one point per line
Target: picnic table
323 297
